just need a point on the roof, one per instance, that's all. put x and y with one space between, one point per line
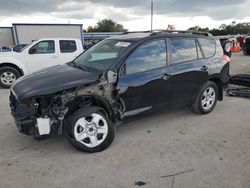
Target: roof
158 33
61 38
45 24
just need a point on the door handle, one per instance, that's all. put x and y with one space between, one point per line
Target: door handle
54 56
166 76
204 68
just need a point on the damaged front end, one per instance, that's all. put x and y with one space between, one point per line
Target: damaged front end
38 115
239 85
46 114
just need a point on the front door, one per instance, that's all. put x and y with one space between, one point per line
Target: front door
142 84
42 55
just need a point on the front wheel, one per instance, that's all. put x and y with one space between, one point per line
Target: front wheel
206 99
90 130
8 76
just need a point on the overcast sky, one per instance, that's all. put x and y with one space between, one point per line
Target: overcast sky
133 14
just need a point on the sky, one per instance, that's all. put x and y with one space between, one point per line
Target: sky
134 15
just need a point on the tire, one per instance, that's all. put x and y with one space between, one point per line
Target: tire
90 130
244 52
8 76
206 99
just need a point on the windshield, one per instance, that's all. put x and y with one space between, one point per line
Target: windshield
25 47
102 55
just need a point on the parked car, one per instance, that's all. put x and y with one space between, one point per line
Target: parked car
246 45
117 79
38 55
5 49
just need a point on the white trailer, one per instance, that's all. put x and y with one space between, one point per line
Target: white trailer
6 37
26 33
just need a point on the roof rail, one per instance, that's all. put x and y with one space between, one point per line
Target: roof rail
162 31
183 32
128 32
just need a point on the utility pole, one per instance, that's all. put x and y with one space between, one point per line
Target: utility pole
152 14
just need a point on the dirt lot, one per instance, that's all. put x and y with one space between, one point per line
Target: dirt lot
170 149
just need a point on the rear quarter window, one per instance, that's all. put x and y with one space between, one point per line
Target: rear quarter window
208 46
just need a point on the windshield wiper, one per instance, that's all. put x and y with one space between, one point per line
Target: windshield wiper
79 66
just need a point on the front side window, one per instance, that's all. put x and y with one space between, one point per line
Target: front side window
149 56
183 50
102 55
44 47
67 46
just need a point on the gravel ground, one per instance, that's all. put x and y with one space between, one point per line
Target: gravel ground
169 149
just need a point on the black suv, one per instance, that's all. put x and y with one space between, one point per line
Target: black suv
120 78
246 46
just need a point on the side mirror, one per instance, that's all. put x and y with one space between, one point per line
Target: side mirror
111 76
32 51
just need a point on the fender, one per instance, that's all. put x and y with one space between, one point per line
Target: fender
19 62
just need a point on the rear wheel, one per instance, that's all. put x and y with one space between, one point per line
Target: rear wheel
90 130
8 76
206 99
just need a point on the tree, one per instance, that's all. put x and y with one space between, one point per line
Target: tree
106 25
231 29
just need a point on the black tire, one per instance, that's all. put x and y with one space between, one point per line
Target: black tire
244 52
70 123
197 104
8 70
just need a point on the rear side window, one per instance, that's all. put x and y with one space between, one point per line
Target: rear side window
183 50
67 46
149 56
208 47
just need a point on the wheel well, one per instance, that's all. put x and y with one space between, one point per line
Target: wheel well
13 66
106 106
83 102
217 81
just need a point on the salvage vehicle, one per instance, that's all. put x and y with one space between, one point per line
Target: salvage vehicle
117 79
38 55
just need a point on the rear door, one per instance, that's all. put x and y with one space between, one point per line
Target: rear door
188 69
68 50
142 84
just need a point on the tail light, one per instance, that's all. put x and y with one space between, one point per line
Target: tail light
226 58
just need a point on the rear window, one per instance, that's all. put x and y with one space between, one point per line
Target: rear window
208 47
67 46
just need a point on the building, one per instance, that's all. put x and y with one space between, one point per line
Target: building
6 37
21 33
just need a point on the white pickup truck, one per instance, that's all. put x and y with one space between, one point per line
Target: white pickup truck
39 54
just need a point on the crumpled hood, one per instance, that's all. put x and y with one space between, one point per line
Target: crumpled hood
52 80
